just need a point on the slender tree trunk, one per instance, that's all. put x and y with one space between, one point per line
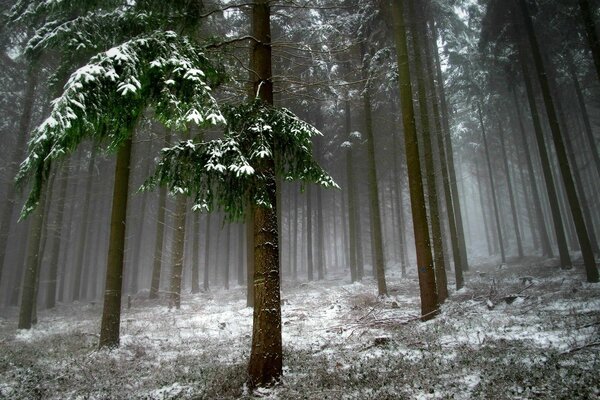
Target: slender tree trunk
82 242
591 33
240 252
159 243
563 161
309 238
177 252
447 143
59 219
160 235
559 229
34 250
376 227
511 194
486 227
537 202
195 253
454 240
492 186
426 273
351 203
206 277
295 238
266 359
111 315
17 157
432 194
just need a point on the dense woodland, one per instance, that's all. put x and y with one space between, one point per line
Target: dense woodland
155 153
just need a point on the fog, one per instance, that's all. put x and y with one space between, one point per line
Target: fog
414 167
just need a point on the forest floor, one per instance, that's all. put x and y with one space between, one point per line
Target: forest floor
520 332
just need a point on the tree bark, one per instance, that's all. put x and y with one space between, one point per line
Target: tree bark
266 358
561 154
195 253
430 175
537 202
178 252
111 314
511 194
454 240
59 219
351 200
447 143
32 264
376 228
81 243
426 273
160 235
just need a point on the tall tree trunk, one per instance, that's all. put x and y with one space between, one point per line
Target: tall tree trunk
432 194
160 234
591 33
206 276
454 240
559 229
178 251
195 253
376 228
159 243
266 359
111 314
426 273
561 154
447 143
511 194
85 216
57 223
17 157
492 185
537 202
482 202
309 235
34 250
351 194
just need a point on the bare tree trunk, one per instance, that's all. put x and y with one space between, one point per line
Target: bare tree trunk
559 229
537 202
454 240
432 194
511 194
57 223
111 314
426 273
32 266
206 277
82 242
160 235
309 234
195 253
492 185
376 228
447 143
266 358
177 252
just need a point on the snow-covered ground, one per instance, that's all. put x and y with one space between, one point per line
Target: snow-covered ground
502 337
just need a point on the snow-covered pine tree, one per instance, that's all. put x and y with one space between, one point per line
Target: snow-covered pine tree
148 66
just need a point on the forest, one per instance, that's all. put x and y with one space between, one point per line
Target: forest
294 199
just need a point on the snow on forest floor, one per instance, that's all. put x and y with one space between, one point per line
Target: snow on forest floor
502 337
